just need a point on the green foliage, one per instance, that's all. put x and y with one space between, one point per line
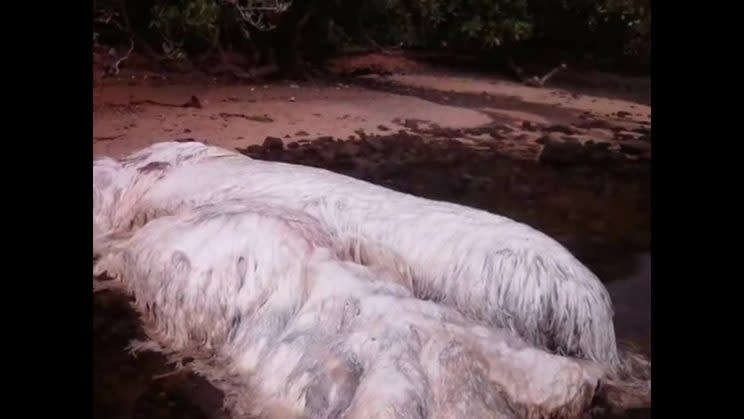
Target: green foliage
613 28
637 14
196 24
490 22
608 30
183 21
480 23
583 19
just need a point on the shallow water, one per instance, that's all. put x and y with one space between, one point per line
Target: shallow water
632 299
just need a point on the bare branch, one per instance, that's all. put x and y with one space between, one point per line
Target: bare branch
533 81
114 67
551 74
252 12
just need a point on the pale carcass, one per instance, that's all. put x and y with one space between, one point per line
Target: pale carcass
273 316
489 267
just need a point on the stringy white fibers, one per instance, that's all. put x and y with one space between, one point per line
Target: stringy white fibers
286 329
488 267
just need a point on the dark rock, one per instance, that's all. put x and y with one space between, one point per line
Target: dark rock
251 149
325 140
327 154
635 147
273 143
411 124
560 153
624 136
549 138
375 143
595 123
477 130
309 151
564 129
601 145
496 135
600 155
392 168
642 130
351 148
363 165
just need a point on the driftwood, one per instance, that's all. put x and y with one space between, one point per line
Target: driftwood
534 81
113 67
193 102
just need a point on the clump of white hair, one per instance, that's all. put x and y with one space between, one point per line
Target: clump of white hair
491 268
258 296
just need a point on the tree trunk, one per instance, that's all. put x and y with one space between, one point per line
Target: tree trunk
287 38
